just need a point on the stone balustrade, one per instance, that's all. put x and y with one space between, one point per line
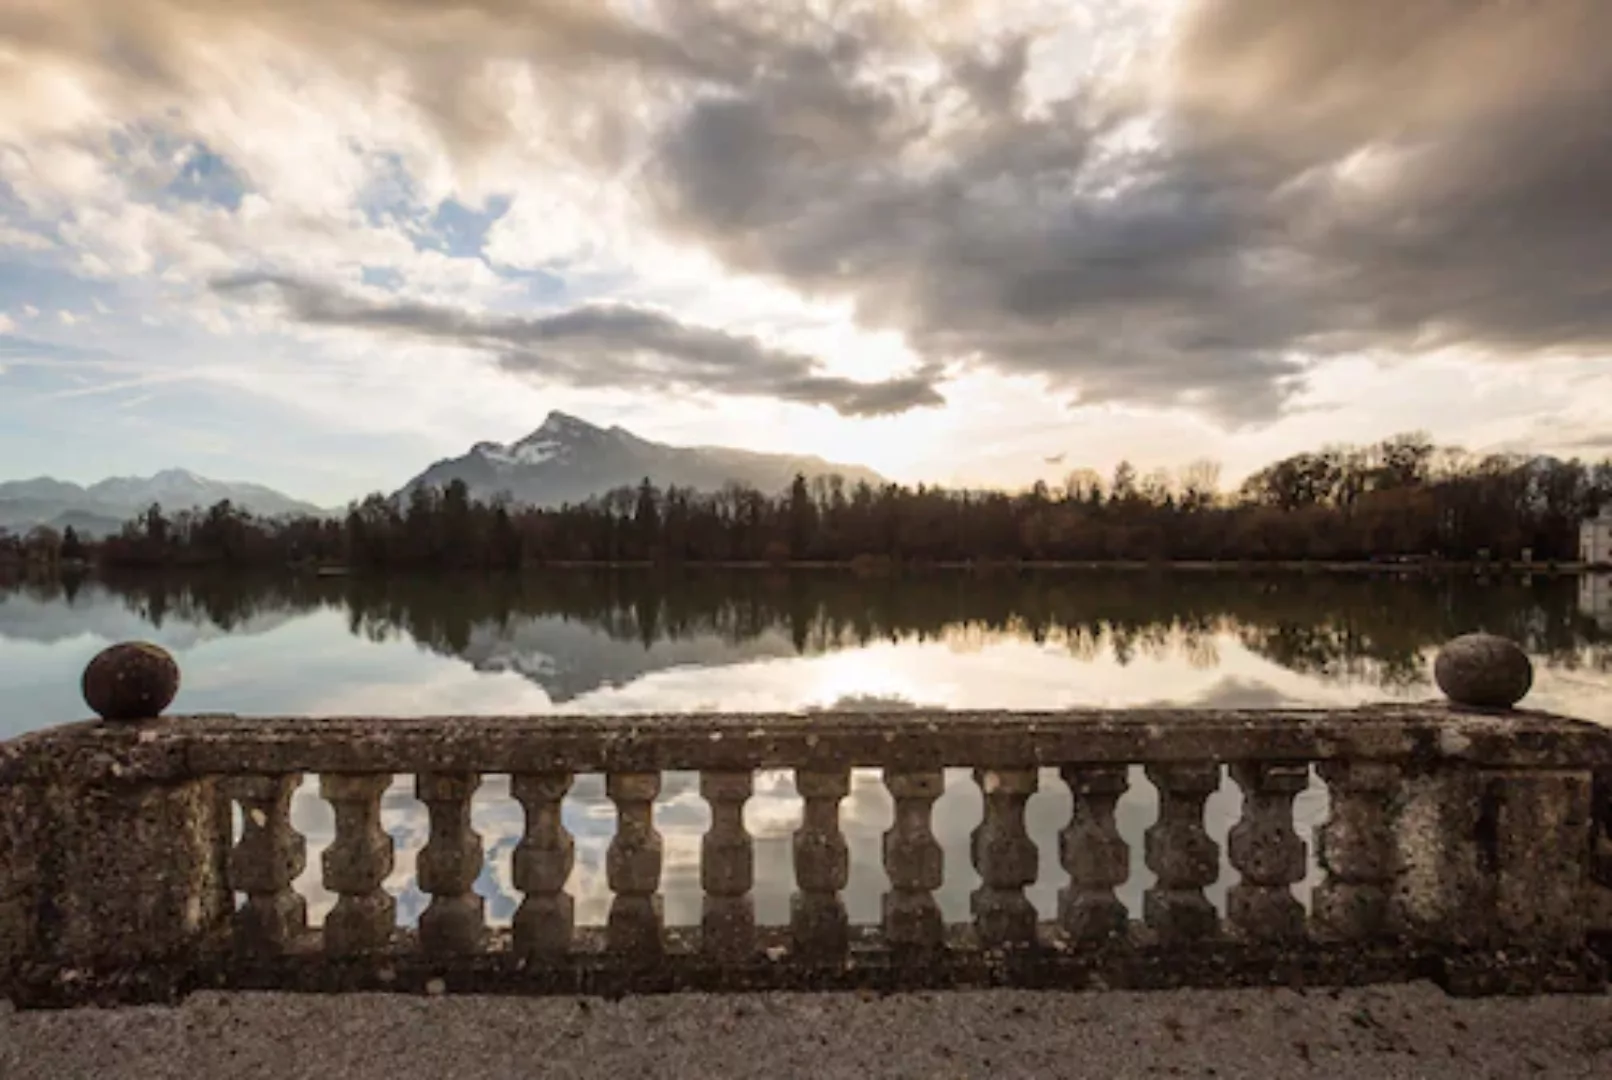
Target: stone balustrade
1473 846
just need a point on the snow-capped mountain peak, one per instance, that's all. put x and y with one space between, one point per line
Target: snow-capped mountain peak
568 459
559 436
559 425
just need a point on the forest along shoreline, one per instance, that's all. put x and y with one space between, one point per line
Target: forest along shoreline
1402 505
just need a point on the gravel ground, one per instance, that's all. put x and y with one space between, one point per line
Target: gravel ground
1402 1031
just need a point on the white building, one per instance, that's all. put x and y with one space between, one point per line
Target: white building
1595 598
1595 539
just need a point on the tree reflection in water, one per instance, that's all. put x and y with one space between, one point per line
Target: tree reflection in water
1372 629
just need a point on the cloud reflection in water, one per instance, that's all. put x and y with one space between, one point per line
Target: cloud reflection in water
771 816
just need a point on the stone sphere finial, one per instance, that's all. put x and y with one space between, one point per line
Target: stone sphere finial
133 680
1484 671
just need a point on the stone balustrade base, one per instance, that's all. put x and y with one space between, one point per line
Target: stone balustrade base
593 969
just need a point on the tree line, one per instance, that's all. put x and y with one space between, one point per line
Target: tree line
1403 497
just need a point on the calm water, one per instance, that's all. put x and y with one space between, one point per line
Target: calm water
584 643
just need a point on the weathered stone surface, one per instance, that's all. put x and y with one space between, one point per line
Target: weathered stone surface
356 865
1483 671
1489 820
1097 858
1443 891
727 867
1267 852
633 867
1538 823
22 836
1356 846
1005 857
133 680
821 742
1601 808
265 863
110 885
817 917
543 859
914 860
1182 854
450 862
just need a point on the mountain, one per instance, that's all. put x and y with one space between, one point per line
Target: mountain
102 507
568 460
178 489
86 523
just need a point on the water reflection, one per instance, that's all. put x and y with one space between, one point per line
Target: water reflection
572 634
631 642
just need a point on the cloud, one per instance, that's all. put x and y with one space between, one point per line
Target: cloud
995 241
1185 210
6 323
1232 692
1561 433
601 345
1433 207
1303 180
23 239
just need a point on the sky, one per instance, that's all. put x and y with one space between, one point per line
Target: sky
319 244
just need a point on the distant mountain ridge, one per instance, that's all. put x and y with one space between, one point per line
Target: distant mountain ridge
568 460
101 508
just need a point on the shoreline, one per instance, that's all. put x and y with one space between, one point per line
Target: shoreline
1128 565
868 567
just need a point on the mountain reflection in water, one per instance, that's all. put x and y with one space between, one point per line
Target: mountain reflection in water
573 632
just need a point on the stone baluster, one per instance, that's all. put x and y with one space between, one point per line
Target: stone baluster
1095 855
265 862
818 922
545 921
633 866
727 867
1005 857
356 864
1182 854
914 861
1267 852
1356 847
454 922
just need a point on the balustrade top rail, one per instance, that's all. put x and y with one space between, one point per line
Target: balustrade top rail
923 738
1467 841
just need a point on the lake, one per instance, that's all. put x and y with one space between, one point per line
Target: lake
638 642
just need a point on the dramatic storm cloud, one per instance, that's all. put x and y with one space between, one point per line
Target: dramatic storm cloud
603 344
1305 179
914 225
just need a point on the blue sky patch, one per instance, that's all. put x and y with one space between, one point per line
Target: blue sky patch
460 231
390 196
208 178
30 280
381 277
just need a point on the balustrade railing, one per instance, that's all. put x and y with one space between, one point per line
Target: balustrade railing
1467 845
